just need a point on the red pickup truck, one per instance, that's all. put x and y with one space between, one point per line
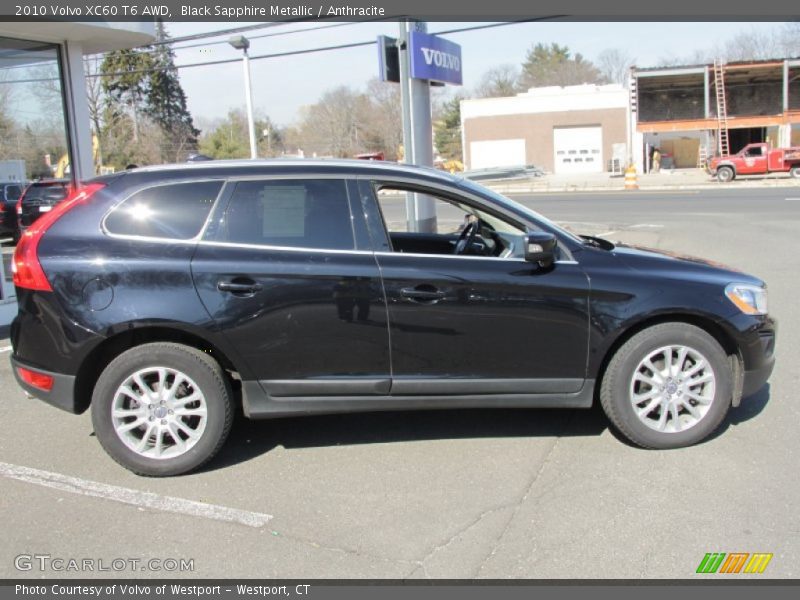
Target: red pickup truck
756 159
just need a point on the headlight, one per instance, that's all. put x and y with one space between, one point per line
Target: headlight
750 299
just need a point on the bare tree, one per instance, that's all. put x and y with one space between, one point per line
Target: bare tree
498 82
331 127
615 65
381 122
751 45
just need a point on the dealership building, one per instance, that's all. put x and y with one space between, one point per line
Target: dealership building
45 113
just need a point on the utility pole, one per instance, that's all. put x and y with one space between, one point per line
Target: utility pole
242 43
417 131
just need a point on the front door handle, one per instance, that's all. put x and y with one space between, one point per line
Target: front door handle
422 294
239 287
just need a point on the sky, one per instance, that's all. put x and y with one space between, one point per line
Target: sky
282 85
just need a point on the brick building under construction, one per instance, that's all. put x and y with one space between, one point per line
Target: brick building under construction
690 112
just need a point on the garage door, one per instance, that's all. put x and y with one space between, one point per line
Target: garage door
578 149
497 153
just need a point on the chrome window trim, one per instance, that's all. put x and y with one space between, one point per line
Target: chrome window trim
282 248
469 256
321 250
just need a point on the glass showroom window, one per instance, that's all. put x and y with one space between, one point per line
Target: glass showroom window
33 133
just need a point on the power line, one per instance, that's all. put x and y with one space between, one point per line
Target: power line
252 37
217 33
293 52
311 50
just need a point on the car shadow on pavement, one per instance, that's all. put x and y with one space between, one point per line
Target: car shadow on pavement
250 439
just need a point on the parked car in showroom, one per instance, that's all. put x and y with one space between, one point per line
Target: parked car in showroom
10 191
39 198
162 297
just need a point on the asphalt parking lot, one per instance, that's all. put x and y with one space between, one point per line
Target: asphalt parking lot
463 494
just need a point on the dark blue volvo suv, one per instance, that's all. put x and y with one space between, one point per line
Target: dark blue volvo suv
163 297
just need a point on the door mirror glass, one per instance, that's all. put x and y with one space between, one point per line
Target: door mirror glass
540 247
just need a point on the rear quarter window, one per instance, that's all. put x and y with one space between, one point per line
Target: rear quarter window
175 211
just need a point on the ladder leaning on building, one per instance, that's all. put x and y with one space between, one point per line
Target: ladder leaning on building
723 144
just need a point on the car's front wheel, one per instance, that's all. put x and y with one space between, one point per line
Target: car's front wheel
669 386
162 409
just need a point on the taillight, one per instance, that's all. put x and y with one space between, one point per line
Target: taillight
37 380
27 270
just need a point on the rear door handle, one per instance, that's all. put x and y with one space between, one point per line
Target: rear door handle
236 287
424 295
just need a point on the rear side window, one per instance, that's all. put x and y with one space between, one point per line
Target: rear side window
13 192
290 213
174 211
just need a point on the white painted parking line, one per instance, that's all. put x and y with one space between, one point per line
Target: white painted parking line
6 349
646 226
605 233
793 199
84 487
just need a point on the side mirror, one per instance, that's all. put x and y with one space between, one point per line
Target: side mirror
540 247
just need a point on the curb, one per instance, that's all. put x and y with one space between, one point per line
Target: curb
510 188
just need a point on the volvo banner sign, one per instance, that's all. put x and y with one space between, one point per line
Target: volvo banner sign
434 58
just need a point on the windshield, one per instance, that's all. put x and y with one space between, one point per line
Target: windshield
51 192
516 206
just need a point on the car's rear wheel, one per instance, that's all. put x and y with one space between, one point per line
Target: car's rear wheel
725 174
795 172
162 409
669 386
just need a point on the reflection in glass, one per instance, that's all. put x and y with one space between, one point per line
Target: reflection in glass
32 122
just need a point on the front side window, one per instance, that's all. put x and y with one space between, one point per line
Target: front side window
460 227
174 211
290 213
755 151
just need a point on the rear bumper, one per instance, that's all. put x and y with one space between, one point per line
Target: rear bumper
62 394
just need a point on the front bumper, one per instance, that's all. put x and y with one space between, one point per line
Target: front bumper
61 395
759 358
755 379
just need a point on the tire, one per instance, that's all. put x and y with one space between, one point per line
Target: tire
795 172
725 174
175 425
625 391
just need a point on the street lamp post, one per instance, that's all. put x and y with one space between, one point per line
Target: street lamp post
242 43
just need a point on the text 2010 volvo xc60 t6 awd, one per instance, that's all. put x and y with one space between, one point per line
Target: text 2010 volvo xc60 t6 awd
162 297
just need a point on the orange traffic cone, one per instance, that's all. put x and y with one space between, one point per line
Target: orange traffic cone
630 178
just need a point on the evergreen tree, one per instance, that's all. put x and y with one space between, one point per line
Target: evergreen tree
143 86
166 102
554 65
126 80
447 131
